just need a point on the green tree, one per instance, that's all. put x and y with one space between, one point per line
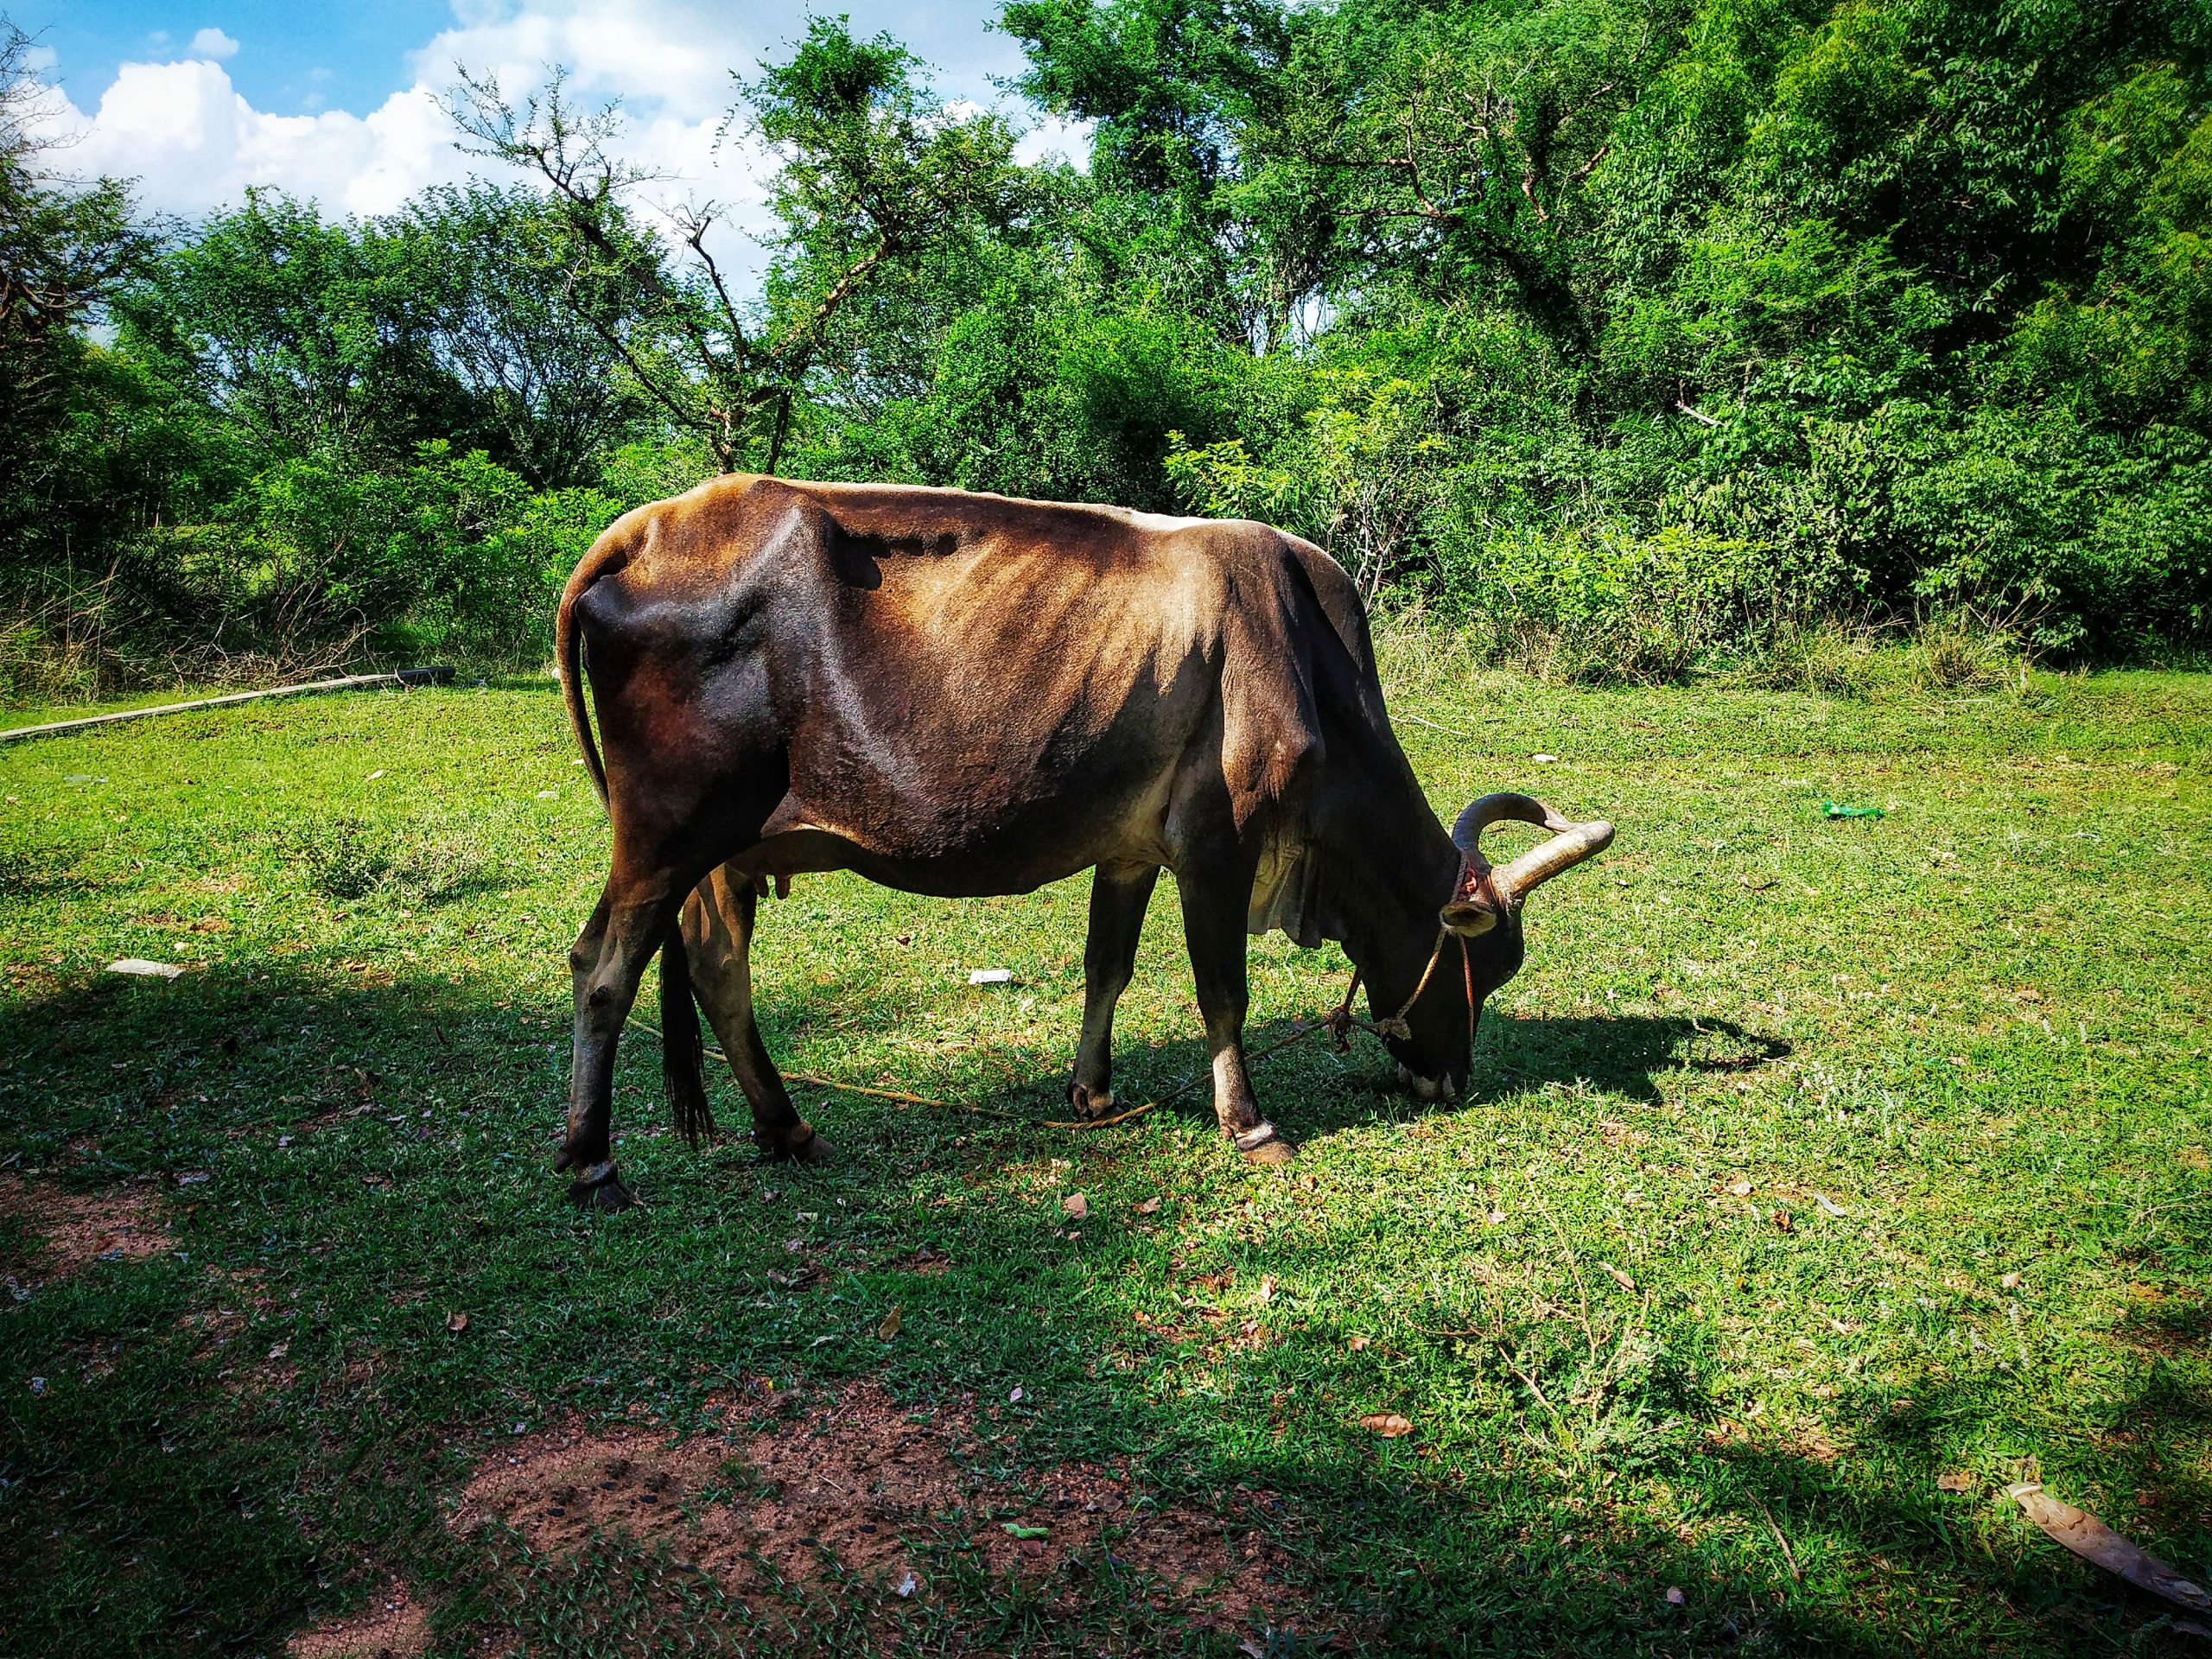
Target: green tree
65 250
1175 88
309 336
549 395
873 171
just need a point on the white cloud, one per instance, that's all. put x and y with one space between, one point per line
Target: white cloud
192 143
214 43
669 54
1053 139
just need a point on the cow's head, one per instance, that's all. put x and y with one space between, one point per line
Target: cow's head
1483 918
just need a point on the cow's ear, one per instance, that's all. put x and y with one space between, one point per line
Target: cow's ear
1468 917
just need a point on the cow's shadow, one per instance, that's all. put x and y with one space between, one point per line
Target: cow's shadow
1306 1086
1623 1054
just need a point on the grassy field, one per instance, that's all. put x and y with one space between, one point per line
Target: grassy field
1819 1178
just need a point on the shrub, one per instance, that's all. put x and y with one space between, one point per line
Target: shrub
2105 542
1359 477
456 555
1830 656
1962 651
1605 605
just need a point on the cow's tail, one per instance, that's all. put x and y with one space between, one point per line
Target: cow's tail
607 554
682 1050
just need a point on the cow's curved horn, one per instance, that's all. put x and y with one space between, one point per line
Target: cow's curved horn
1467 833
1571 842
1517 881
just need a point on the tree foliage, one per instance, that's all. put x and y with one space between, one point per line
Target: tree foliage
66 248
872 171
1626 333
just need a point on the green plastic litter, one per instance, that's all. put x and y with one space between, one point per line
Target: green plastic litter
1835 811
1028 1532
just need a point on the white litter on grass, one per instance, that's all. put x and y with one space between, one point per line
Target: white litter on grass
1827 1203
1543 759
549 794
906 1584
374 776
143 968
990 976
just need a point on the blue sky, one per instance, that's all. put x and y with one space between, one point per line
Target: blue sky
340 103
292 59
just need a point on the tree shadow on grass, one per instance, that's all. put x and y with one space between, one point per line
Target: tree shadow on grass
285 1405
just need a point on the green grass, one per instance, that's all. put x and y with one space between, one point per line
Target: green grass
1977 1026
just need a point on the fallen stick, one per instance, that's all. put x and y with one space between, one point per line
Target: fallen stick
2093 1540
351 682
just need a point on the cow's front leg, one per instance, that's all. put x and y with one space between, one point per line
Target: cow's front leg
1214 911
718 920
1119 894
607 962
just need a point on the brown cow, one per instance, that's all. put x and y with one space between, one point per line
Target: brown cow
957 694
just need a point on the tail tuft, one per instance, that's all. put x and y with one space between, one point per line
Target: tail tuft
682 1050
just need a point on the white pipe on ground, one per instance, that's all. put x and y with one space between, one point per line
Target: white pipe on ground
352 682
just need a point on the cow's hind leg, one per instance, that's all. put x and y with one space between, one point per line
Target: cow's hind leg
1119 894
718 920
633 916
1214 905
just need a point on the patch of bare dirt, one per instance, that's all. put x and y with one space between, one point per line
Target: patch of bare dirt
925 1262
862 1482
393 1626
214 1328
225 1330
75 1230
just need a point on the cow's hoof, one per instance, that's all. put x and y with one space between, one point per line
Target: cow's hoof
1264 1144
798 1144
602 1190
1090 1102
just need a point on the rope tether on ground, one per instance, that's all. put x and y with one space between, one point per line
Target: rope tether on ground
1339 1022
